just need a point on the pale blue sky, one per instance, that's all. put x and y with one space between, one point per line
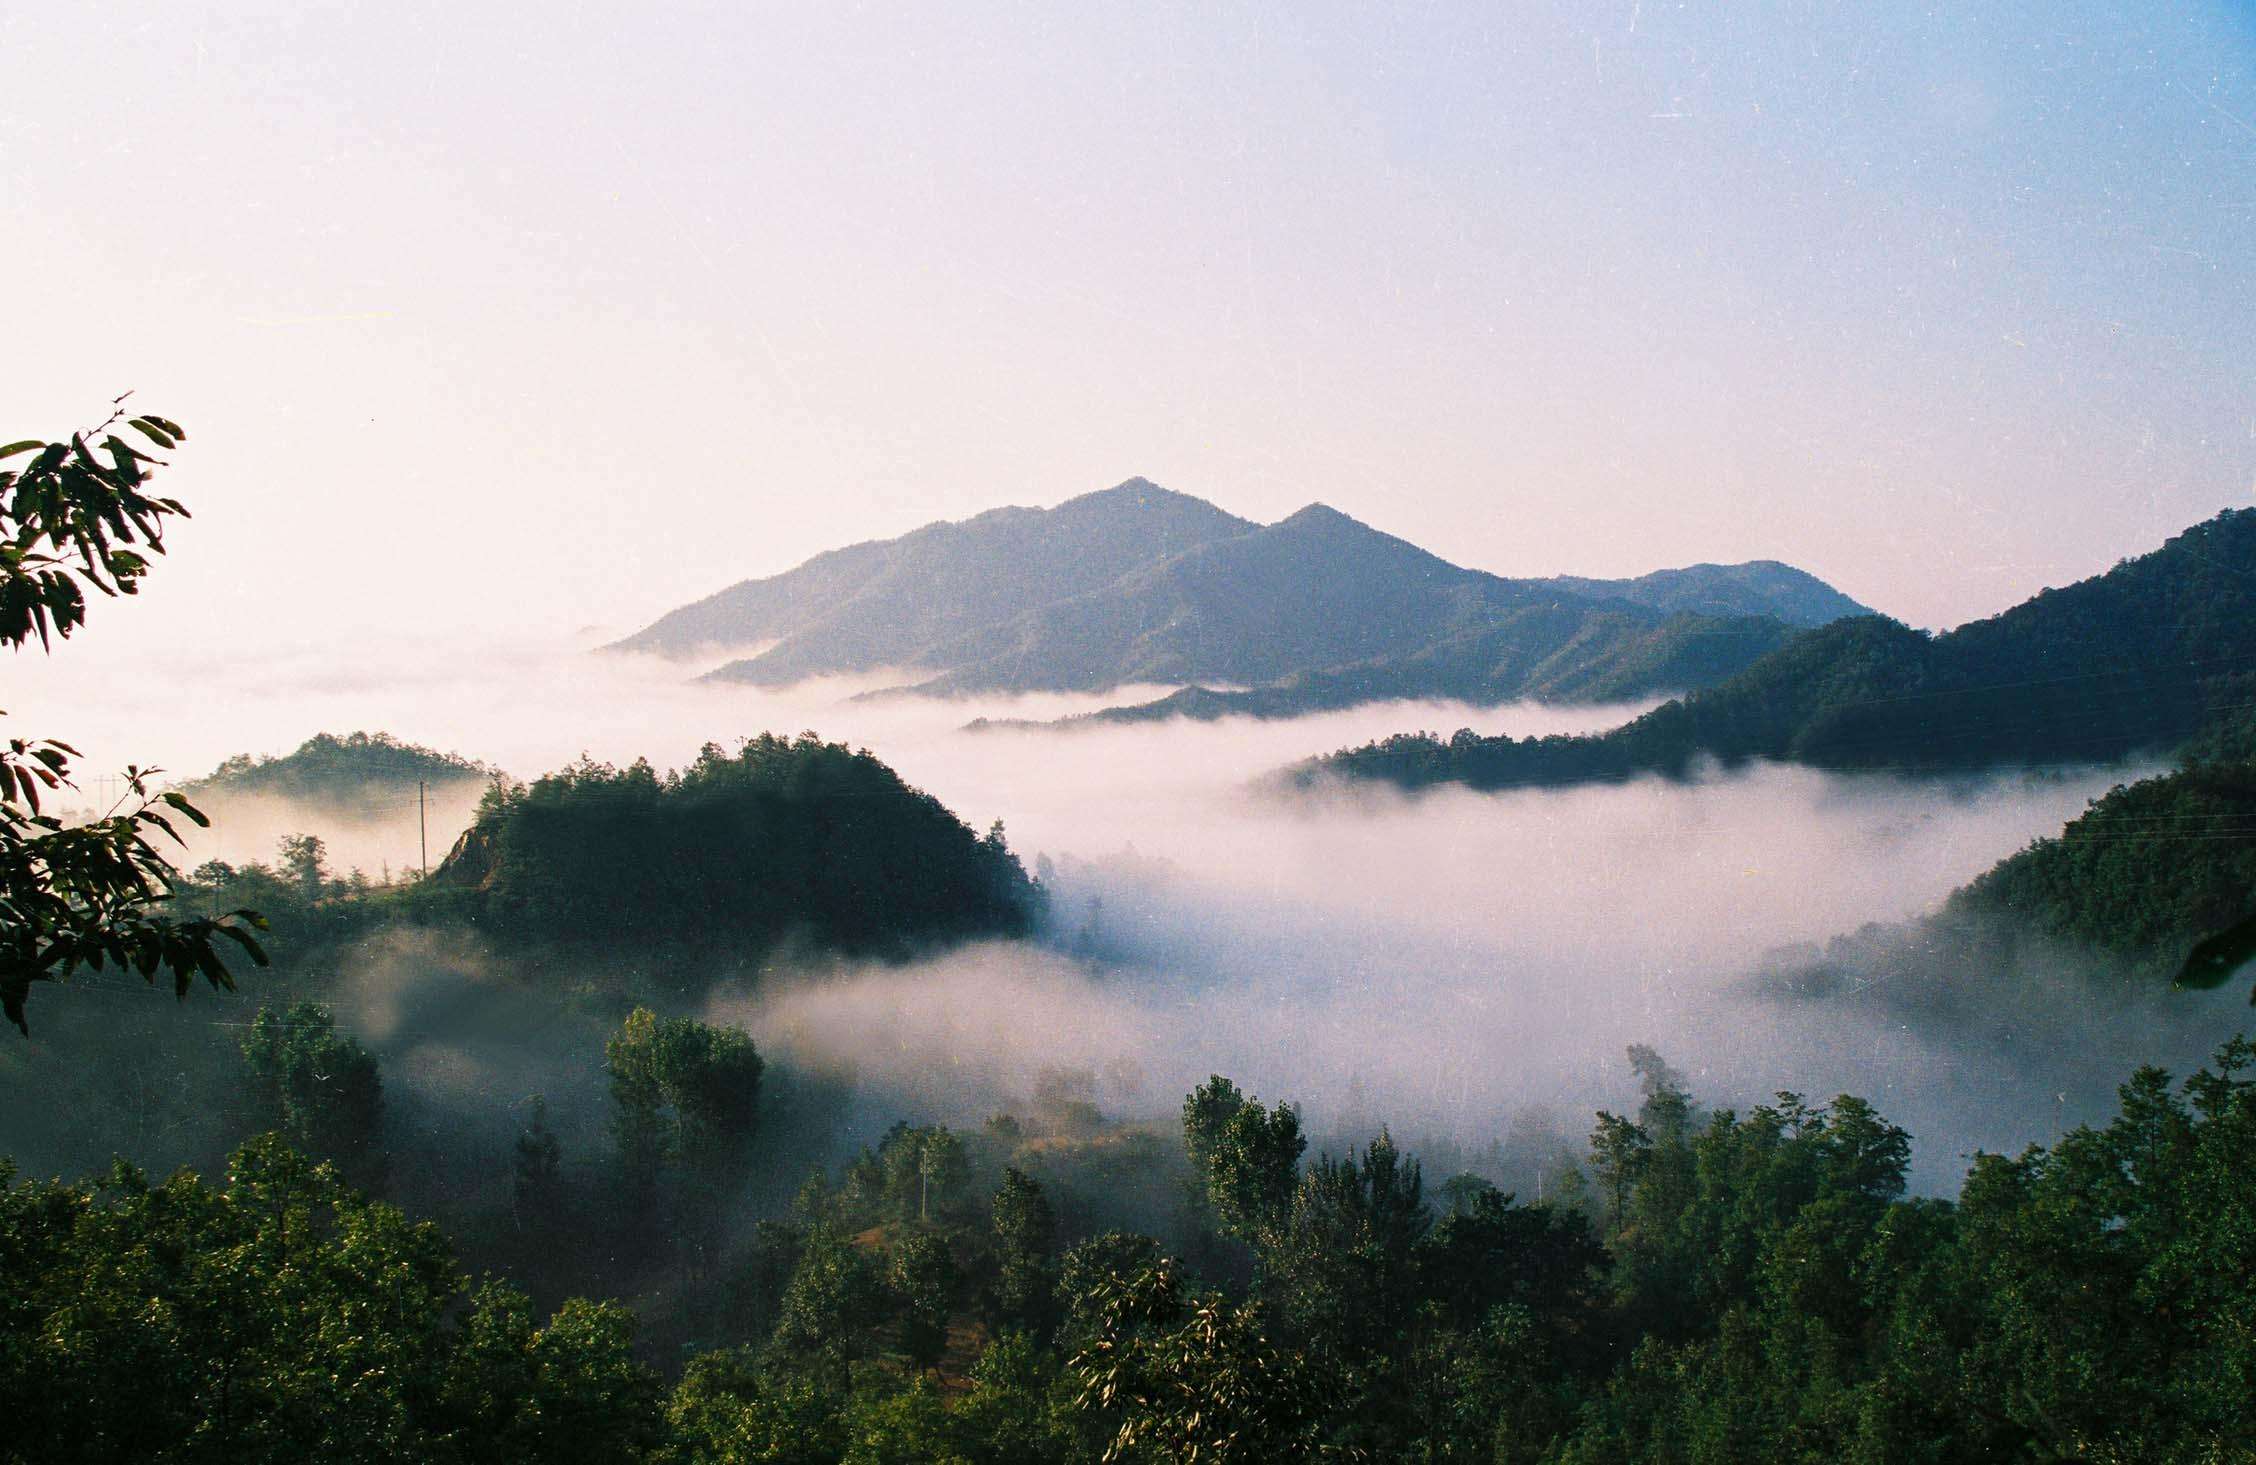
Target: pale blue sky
560 316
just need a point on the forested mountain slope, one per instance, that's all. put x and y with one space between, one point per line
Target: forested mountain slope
1551 653
2140 658
2115 907
2147 872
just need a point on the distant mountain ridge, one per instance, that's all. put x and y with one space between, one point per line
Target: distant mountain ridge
1758 587
1138 584
2158 650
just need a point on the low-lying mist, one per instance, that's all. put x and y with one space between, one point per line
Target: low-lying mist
1447 964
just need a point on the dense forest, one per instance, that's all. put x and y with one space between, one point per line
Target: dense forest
696 1276
2159 650
1706 1286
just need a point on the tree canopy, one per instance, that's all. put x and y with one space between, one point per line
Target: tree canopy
1743 1285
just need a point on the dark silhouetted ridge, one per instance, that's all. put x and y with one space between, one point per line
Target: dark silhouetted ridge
2142 658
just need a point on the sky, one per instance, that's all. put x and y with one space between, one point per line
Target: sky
539 321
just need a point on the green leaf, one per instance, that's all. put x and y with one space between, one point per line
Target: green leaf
246 940
214 970
25 446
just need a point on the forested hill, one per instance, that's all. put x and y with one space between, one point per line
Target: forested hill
1136 584
2140 658
2144 875
2155 882
783 839
340 771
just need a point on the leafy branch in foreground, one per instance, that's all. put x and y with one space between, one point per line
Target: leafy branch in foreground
86 895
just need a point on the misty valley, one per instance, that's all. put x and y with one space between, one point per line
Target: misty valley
850 734
1759 1031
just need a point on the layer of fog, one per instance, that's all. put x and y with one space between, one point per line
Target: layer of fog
529 709
1445 964
1450 964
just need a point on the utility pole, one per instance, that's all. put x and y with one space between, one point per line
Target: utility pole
422 829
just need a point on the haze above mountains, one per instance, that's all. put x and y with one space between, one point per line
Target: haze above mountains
1140 585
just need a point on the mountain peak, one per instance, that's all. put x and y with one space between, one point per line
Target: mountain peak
1142 493
1320 516
1127 488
